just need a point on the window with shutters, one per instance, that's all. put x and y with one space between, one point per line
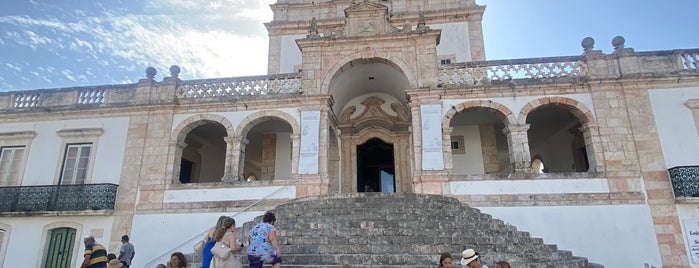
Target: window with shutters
75 163
11 164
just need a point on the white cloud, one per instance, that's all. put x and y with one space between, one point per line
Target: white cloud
69 75
13 67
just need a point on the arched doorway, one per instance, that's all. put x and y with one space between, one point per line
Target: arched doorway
375 167
59 252
370 106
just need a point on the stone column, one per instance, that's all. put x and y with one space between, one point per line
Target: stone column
240 167
593 146
229 172
518 145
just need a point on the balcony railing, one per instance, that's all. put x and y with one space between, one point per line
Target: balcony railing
685 181
58 198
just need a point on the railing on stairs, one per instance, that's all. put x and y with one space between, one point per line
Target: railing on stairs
163 258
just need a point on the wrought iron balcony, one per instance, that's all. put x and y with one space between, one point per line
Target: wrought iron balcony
685 182
58 198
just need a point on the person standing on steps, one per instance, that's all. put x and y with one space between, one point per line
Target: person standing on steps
126 252
95 254
263 246
471 259
210 241
226 235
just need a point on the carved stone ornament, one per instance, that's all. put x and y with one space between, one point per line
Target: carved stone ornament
374 115
367 18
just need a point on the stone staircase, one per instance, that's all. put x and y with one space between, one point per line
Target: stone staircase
401 230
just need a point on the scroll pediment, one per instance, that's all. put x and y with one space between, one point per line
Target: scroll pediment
367 18
373 114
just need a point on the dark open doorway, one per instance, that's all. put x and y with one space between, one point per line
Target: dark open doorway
375 167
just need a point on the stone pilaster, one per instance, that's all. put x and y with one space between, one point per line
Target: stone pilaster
518 145
489 148
446 148
593 145
295 141
269 156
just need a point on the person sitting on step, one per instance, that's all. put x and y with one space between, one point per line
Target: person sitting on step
445 260
471 259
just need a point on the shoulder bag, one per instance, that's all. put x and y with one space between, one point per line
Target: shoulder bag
221 250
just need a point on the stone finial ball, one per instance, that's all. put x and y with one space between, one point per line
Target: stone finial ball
150 72
588 43
618 41
174 70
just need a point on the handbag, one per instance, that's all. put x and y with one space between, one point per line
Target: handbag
221 250
199 248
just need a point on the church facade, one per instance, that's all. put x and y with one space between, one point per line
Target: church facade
596 153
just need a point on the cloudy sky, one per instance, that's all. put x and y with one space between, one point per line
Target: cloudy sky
50 44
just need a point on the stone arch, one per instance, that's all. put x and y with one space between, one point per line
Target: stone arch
251 120
504 113
189 124
394 61
375 132
578 109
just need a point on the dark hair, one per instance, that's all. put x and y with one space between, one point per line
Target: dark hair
444 256
269 217
125 238
503 263
111 256
179 255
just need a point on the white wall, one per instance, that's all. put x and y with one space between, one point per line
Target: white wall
157 236
29 236
162 234
290 53
614 236
689 214
282 162
471 162
675 123
454 40
549 186
46 154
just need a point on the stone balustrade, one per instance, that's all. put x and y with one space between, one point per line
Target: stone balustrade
593 64
485 72
239 86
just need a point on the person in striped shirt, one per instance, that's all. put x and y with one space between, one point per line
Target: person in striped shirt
95 254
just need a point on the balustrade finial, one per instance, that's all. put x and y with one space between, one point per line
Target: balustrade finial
588 43
618 42
175 71
150 73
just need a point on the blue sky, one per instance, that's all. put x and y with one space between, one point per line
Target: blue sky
50 44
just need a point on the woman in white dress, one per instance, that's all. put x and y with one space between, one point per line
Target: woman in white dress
226 235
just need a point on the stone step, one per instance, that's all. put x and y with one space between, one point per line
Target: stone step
401 229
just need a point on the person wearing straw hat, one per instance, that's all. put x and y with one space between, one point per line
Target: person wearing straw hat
470 259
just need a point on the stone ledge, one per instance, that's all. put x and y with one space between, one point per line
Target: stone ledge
572 199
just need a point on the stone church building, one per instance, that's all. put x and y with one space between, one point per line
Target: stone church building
596 153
